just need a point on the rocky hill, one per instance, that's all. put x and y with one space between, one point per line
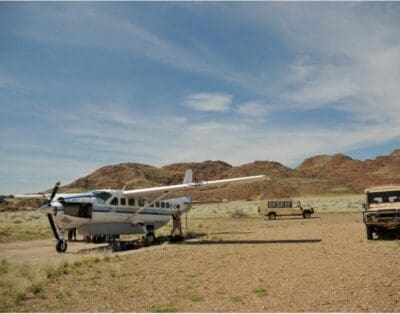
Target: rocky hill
352 173
323 174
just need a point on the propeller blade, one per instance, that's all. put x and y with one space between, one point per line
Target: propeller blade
54 191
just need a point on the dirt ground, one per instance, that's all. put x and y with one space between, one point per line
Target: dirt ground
324 264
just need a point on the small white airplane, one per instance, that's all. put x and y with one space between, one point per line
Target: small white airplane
110 213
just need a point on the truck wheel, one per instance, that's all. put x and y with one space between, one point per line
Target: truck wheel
271 216
306 214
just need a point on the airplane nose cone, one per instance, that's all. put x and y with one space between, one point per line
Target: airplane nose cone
54 206
46 209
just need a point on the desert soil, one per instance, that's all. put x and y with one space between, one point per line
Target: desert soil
323 264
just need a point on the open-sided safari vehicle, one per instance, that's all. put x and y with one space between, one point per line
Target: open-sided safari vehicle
382 210
275 208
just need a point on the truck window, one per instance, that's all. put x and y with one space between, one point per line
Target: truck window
383 197
280 204
271 204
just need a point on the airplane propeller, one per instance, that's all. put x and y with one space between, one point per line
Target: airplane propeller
55 189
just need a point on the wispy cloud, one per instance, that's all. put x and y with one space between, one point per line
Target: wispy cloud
252 109
216 102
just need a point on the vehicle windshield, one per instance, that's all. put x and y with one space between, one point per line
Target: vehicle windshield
384 197
102 197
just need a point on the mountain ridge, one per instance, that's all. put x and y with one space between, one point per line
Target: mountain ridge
316 175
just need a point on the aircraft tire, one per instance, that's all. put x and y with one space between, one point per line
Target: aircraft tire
61 246
306 214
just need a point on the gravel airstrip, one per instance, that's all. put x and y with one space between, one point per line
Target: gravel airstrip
248 264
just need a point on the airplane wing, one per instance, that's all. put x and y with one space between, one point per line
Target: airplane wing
155 192
30 196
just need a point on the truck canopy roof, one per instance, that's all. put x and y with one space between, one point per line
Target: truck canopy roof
383 188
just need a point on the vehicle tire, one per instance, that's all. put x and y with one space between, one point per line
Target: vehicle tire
370 233
61 246
149 239
306 214
272 216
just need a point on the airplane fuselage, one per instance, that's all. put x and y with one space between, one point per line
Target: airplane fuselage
110 212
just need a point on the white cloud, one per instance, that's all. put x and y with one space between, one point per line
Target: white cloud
216 102
252 109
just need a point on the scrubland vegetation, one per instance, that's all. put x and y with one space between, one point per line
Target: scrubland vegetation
29 225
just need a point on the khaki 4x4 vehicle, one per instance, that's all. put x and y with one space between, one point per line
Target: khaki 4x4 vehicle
382 210
283 208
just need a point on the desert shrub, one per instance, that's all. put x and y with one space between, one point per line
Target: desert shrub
236 298
163 309
238 213
261 292
196 298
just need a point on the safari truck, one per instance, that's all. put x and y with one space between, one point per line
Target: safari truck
381 210
272 209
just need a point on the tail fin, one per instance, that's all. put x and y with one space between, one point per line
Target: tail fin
188 176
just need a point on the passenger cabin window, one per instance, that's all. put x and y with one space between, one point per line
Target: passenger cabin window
158 204
167 205
162 205
102 197
122 201
141 202
114 201
288 204
131 202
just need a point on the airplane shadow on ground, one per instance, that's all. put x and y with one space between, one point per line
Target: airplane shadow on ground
289 241
194 236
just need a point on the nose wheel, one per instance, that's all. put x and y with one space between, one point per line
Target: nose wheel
61 246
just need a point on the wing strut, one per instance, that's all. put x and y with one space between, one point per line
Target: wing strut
148 205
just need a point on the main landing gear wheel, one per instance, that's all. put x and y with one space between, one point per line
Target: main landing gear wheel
149 239
61 246
306 215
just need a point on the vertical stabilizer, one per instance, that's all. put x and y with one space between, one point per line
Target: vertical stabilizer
188 176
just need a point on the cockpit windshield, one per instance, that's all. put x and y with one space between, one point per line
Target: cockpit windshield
384 197
102 197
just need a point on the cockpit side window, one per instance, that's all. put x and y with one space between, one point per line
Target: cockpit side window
102 197
114 201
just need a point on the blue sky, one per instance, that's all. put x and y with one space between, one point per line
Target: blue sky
83 85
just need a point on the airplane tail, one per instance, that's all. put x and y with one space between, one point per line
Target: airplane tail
188 176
